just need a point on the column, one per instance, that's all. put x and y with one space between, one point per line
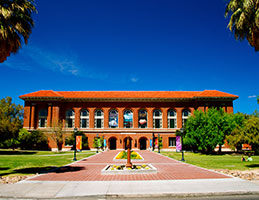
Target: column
106 117
77 117
49 117
120 112
32 125
135 117
179 117
164 117
55 115
26 116
91 117
150 117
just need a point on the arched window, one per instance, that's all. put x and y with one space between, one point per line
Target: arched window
98 119
43 118
142 119
171 118
185 115
128 119
84 119
113 119
157 119
70 119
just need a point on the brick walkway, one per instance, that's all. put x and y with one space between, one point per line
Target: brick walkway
89 169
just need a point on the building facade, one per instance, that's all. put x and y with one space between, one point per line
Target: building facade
116 115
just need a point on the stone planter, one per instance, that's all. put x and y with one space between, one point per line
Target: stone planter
109 169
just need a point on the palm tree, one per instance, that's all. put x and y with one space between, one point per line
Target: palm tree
244 21
15 25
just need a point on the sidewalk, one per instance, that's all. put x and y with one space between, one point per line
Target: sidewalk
174 178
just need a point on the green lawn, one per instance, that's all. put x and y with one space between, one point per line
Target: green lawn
32 162
227 161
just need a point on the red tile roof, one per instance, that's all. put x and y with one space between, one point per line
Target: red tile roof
127 94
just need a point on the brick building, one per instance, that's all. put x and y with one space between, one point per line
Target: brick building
114 115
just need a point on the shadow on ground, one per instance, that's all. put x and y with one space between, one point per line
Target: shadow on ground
30 170
17 152
253 165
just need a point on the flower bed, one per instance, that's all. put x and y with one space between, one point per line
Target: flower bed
136 169
123 155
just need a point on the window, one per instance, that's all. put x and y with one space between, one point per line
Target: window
70 119
128 119
157 119
84 119
142 119
185 115
113 119
172 120
43 118
172 141
98 119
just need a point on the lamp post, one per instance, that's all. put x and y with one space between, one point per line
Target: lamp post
153 141
97 135
158 141
182 131
75 131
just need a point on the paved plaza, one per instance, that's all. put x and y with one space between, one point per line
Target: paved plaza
83 179
89 169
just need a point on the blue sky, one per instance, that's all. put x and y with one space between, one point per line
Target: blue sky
133 45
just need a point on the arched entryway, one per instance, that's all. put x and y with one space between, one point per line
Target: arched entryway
113 143
143 143
125 143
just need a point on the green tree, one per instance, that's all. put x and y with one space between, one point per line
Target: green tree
10 122
34 140
236 137
244 20
205 130
15 25
251 133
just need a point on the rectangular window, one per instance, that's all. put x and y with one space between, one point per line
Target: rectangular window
69 123
42 123
157 123
172 141
98 123
172 123
84 123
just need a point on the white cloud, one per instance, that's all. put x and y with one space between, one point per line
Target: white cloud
252 96
134 80
31 57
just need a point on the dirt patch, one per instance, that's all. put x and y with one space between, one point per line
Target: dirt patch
12 179
247 174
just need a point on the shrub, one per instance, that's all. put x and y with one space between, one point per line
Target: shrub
34 140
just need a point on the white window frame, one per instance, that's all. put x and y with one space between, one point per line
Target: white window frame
185 117
42 117
169 141
169 117
160 117
98 117
84 117
70 117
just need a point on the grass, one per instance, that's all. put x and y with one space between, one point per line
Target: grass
32 162
227 161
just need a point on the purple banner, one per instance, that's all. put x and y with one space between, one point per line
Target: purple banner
178 143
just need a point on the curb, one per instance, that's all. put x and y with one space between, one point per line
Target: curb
162 195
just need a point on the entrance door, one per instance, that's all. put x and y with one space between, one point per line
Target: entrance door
143 143
113 143
125 143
